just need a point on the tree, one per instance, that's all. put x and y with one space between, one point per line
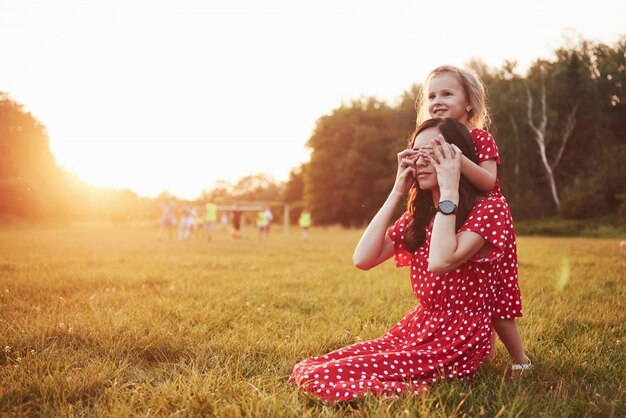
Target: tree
26 164
560 129
260 187
353 162
294 188
541 139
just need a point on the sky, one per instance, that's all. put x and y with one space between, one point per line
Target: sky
175 95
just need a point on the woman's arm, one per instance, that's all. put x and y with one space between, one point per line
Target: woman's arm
375 246
447 248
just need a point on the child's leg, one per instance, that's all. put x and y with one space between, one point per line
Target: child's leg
509 335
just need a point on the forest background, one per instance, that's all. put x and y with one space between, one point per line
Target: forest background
560 129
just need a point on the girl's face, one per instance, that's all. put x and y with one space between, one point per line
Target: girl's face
425 172
446 98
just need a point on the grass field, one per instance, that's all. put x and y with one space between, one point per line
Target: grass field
108 321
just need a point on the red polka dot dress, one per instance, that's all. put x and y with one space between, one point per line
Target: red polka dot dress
508 299
446 336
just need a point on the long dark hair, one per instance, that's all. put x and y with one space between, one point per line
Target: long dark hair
420 204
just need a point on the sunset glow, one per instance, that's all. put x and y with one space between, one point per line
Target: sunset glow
154 95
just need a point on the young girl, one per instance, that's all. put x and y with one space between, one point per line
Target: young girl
455 243
456 93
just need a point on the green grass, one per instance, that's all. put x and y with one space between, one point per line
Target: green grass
608 226
106 321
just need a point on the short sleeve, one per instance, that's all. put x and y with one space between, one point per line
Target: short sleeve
490 219
486 148
401 255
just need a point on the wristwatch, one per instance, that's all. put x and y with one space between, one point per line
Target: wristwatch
447 207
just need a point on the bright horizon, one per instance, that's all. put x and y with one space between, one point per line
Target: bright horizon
149 97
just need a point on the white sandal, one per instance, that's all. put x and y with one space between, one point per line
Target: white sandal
522 367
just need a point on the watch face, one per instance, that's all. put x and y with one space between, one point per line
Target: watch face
447 207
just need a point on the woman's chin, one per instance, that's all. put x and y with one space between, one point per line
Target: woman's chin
426 184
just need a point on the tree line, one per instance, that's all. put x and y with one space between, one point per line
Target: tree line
560 129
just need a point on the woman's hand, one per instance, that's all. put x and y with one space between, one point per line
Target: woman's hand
447 163
405 178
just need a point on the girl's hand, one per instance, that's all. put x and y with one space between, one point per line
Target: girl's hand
405 177
447 163
426 152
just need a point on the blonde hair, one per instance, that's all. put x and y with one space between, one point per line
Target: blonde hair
478 116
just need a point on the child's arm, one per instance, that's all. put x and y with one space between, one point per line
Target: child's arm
482 175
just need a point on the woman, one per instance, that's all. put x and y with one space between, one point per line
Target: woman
454 242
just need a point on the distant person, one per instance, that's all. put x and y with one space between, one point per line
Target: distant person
200 221
454 241
211 219
305 223
261 223
269 217
237 222
452 92
191 219
224 221
167 218
185 222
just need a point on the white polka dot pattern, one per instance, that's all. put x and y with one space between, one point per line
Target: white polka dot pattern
509 300
486 148
446 336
